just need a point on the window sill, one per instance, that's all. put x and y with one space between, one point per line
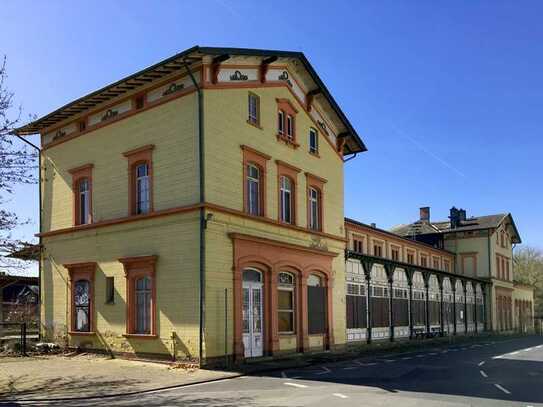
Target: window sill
141 336
288 334
316 154
77 333
258 126
288 141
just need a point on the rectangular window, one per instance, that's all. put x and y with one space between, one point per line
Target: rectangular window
423 261
358 246
377 250
142 189
395 254
314 209
84 201
285 197
436 264
290 127
110 290
82 305
254 109
313 141
316 301
285 308
281 122
253 190
446 266
410 258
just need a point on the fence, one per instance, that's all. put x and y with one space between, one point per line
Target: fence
15 332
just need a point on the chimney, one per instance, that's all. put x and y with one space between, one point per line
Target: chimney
454 217
425 214
373 225
461 215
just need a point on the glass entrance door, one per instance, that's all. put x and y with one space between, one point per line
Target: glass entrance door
252 314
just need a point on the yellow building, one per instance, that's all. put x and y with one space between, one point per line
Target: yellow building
194 210
483 248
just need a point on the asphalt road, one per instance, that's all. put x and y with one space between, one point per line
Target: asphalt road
501 373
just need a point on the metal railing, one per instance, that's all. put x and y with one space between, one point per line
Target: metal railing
10 331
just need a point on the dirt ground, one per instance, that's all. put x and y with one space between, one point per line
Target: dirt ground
59 376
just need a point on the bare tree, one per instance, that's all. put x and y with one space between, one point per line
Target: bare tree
528 262
17 166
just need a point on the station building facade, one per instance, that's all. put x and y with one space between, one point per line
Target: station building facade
194 211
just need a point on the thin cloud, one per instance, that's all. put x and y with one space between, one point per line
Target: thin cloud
425 150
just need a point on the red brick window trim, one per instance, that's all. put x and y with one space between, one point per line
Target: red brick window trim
140 180
315 201
286 122
287 187
140 275
254 181
82 194
82 312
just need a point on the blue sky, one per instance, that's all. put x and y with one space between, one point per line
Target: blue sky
446 95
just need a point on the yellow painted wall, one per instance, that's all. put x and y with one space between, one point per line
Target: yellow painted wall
170 127
172 239
226 128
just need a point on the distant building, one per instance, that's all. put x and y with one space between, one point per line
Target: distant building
483 248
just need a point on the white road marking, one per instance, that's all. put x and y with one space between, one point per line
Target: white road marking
502 388
421 356
284 375
341 396
368 364
389 360
432 354
483 373
350 368
324 371
407 358
301 386
481 363
514 353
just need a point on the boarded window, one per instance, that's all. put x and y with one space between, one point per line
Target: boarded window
316 305
356 306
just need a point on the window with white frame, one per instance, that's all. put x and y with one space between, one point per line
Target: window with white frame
84 201
313 141
314 209
143 305
142 189
285 302
290 127
281 122
254 109
286 195
253 189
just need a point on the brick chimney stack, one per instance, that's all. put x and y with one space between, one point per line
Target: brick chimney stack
425 214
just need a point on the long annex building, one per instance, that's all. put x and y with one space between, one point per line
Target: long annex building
194 211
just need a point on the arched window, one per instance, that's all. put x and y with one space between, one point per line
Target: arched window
253 276
83 201
82 306
254 203
142 188
286 199
143 295
285 303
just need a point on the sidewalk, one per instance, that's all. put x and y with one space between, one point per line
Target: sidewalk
58 377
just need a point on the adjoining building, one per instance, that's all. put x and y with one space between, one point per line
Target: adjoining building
194 210
483 248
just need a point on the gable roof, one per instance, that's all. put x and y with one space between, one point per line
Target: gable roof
354 143
470 224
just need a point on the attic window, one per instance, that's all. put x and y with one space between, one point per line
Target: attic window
139 101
